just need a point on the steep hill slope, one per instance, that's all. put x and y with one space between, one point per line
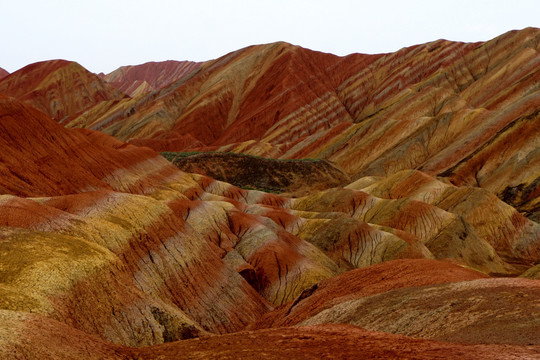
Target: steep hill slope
41 158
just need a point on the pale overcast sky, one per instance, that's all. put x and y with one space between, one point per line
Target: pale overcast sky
104 34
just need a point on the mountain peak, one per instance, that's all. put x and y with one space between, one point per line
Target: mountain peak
48 86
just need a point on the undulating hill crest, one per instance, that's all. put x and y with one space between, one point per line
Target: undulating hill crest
109 250
227 93
59 88
466 111
139 79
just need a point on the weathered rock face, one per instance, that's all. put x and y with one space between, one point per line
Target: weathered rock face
139 79
61 89
359 283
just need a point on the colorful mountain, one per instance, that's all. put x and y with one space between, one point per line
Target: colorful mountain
59 88
445 108
381 206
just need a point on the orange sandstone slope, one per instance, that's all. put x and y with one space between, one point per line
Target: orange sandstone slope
139 79
464 111
61 89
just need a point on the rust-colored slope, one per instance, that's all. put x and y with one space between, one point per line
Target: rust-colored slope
27 169
59 88
30 336
41 158
329 342
139 79
3 73
364 282
496 311
402 297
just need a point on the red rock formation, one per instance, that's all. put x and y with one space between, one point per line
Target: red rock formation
496 311
108 242
150 76
41 158
61 89
3 73
446 108
329 342
364 282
